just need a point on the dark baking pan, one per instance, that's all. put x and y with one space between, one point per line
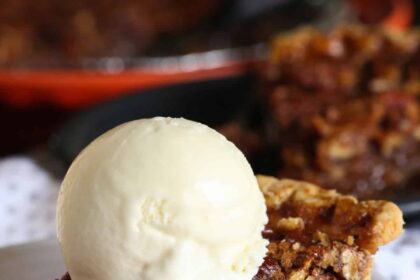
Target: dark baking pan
212 102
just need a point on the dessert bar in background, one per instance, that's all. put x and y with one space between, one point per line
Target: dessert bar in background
344 108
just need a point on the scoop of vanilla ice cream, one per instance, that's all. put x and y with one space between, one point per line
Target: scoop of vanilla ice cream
161 199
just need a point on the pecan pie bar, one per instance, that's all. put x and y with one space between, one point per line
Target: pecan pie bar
319 234
344 108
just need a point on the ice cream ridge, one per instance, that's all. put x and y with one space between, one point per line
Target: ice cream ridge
161 199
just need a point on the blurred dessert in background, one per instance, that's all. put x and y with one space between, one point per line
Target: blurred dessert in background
49 31
51 34
345 107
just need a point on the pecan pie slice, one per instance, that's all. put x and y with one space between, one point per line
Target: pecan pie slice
319 234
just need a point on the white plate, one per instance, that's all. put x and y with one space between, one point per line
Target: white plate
32 261
39 261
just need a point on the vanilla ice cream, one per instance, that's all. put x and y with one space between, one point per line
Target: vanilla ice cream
161 199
